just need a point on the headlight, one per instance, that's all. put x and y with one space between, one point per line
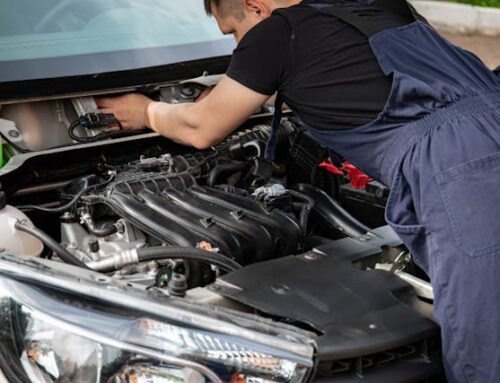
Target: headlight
48 336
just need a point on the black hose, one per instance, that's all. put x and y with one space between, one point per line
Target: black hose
48 241
220 170
70 204
334 214
305 209
189 253
103 231
59 209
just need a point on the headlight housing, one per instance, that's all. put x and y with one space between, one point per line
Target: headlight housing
51 336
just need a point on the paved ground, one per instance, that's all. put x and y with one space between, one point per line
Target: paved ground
488 48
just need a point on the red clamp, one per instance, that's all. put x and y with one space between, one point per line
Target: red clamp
358 179
329 167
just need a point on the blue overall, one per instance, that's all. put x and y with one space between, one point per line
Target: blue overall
437 146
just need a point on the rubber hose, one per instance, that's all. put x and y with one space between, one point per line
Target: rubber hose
103 231
189 253
220 170
48 241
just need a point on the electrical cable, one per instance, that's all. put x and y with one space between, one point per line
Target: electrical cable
189 253
70 204
93 122
48 241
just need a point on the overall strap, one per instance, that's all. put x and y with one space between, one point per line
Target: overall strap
272 142
399 7
363 23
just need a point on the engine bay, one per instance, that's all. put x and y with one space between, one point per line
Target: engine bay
118 193
294 240
228 200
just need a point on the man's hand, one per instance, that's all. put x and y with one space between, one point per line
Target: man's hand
130 110
202 124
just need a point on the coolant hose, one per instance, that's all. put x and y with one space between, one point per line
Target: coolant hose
48 241
189 253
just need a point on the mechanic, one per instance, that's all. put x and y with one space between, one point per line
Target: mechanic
372 81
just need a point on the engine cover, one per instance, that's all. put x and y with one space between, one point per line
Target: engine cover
176 210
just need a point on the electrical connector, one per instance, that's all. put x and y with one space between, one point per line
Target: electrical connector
98 120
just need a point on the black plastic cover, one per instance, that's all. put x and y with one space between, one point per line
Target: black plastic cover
356 312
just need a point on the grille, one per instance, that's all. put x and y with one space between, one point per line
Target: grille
361 366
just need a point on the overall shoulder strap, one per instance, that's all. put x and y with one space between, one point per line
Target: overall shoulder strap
399 7
363 23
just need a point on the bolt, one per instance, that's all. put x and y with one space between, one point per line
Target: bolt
94 246
280 289
14 133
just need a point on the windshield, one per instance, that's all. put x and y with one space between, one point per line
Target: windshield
56 38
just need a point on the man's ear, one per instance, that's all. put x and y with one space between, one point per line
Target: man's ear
258 8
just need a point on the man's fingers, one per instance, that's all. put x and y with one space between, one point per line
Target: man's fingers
105 102
128 109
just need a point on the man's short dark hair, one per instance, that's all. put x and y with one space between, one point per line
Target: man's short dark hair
226 7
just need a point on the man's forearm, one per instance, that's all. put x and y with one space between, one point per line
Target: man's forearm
178 122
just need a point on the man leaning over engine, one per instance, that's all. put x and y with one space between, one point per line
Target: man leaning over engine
372 81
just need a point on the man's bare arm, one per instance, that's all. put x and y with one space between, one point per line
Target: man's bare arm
202 124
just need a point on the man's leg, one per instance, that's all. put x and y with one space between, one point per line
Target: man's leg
462 213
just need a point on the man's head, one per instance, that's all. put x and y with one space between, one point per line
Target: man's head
237 17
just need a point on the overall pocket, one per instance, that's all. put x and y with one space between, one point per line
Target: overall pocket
401 216
471 195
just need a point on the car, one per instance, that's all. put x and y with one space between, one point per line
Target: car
126 257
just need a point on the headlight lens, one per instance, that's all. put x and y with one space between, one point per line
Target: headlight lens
50 337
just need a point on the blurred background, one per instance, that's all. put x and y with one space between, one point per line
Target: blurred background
471 24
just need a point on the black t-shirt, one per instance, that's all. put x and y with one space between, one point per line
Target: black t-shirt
323 68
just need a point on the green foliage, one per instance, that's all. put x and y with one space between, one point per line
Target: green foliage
482 3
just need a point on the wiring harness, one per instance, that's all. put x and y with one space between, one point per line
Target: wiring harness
92 121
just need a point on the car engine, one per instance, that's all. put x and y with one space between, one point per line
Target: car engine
229 203
222 201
